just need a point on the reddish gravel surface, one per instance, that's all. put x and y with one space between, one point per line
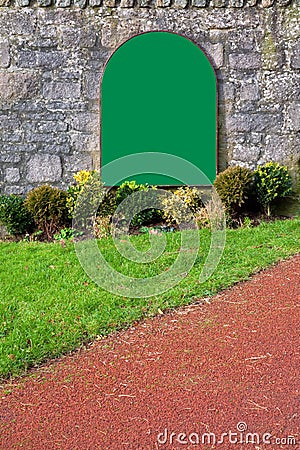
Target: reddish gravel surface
208 368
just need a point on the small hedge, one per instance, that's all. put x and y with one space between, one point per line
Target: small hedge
174 207
233 187
14 216
272 182
146 216
48 207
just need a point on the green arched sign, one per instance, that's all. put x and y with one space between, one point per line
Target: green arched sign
158 94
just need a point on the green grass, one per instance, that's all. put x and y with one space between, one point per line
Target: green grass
49 306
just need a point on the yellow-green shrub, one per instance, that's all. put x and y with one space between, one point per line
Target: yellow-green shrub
233 187
174 211
48 207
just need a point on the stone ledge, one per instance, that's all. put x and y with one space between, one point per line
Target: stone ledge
174 4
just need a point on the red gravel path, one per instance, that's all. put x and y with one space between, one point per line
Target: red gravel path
200 369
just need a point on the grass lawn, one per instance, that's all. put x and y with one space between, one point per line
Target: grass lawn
49 306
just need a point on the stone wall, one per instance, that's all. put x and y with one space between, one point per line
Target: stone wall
52 56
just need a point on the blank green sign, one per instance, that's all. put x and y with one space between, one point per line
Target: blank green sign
158 94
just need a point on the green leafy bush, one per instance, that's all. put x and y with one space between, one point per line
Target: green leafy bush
108 204
88 204
81 179
48 207
174 211
146 216
89 180
66 234
234 187
102 227
14 216
272 181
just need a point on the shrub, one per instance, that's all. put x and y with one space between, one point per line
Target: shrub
102 227
202 218
233 187
66 234
48 207
14 216
90 181
146 216
173 210
108 204
88 202
81 179
271 181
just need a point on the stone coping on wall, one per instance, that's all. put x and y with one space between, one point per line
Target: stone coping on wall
177 4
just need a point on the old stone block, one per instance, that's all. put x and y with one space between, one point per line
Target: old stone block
216 53
246 153
242 40
199 3
239 123
44 2
245 61
83 38
12 175
50 59
255 122
11 136
295 60
279 87
45 58
267 3
91 85
58 149
144 3
60 89
273 56
95 2
27 59
79 161
67 105
218 3
4 3
22 23
265 122
57 138
63 3
293 116
249 91
281 148
16 190
180 3
226 91
4 54
10 157
9 122
18 85
162 3
127 3
109 3
256 138
51 127
44 167
80 3
22 3
236 3
86 122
